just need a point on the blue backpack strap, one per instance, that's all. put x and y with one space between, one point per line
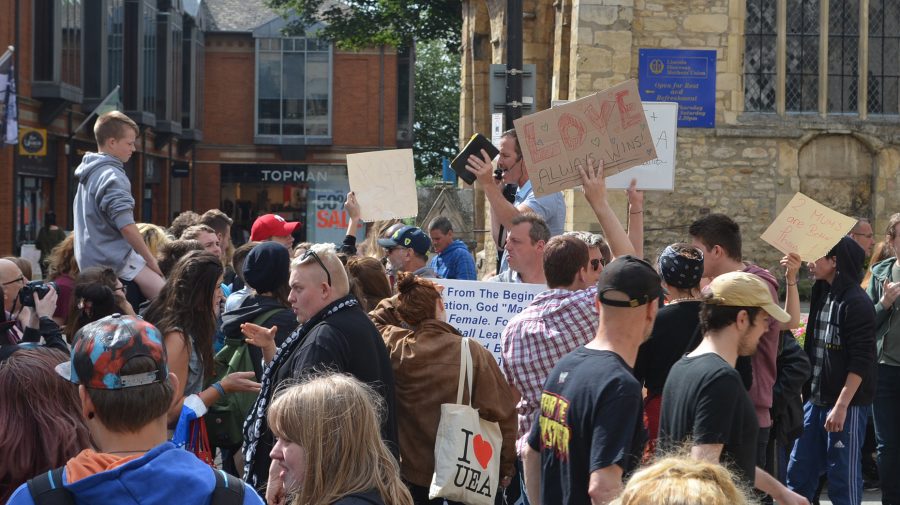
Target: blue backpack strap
229 490
48 489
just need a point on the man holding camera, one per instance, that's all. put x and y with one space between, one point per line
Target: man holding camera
33 321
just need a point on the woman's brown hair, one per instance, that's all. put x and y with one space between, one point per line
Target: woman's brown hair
368 281
93 298
40 413
416 298
62 259
185 303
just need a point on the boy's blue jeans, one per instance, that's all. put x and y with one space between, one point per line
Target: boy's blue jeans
838 455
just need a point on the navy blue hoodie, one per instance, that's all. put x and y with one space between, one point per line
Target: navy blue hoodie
852 348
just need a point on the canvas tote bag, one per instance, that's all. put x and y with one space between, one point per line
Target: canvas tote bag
467 448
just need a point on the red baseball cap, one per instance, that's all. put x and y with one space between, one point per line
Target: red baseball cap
271 225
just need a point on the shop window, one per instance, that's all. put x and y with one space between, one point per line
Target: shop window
293 91
139 71
115 42
58 47
104 49
805 32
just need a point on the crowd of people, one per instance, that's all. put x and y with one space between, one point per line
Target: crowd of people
315 373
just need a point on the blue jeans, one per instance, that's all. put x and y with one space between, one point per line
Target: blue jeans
886 412
837 455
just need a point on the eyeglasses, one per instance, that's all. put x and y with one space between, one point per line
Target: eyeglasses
310 253
120 288
866 235
595 264
20 279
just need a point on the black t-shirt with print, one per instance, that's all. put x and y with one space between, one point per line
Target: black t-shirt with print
704 402
675 333
590 418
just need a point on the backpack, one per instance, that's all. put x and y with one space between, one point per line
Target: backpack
225 418
47 489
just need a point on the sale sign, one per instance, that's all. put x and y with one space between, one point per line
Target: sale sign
609 126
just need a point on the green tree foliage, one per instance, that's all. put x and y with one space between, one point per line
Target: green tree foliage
356 24
436 124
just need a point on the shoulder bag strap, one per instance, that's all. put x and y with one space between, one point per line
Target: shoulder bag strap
48 489
463 348
229 490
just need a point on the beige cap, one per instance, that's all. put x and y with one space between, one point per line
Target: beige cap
742 289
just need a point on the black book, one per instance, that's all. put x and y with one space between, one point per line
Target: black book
475 145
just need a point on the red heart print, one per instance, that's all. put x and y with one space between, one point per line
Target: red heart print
483 451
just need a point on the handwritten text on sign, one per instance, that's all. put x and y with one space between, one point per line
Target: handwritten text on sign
481 310
658 174
610 126
807 228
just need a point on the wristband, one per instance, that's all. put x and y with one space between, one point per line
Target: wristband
218 387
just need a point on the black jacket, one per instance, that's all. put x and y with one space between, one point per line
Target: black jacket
252 308
852 348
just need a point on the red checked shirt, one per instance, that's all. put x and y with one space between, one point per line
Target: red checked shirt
555 323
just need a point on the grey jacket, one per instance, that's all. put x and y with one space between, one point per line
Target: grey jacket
103 206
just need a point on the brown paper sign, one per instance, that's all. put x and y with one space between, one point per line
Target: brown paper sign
808 228
610 125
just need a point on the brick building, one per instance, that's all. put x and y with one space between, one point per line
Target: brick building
287 111
806 99
233 113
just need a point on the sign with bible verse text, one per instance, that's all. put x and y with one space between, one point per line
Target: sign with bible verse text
808 228
609 125
480 310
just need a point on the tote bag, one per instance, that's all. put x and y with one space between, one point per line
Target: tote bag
467 448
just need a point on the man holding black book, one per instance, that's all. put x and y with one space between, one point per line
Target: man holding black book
511 164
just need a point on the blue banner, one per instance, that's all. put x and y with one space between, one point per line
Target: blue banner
687 77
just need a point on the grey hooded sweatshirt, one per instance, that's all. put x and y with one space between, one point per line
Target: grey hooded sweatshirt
103 206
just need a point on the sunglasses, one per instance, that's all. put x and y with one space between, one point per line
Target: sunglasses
310 253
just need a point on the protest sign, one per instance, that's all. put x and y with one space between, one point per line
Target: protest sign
658 174
480 310
610 126
384 183
808 228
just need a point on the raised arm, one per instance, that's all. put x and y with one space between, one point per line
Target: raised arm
595 192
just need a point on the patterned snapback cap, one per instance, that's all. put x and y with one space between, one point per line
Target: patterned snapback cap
104 347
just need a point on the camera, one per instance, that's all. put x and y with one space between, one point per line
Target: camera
26 294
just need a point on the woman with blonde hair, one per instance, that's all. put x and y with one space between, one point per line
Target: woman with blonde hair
682 481
154 236
329 449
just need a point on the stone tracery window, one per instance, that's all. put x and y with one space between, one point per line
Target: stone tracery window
784 72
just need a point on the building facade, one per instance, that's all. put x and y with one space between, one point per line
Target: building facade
287 110
233 113
806 100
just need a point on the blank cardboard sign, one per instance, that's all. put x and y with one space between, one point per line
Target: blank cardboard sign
384 183
658 174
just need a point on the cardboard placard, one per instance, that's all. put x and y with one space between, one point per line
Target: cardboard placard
808 228
658 174
480 310
609 125
384 183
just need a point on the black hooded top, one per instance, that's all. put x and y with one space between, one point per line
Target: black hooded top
852 346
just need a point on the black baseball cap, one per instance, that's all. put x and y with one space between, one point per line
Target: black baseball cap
632 276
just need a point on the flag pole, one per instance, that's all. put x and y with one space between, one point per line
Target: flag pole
115 92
